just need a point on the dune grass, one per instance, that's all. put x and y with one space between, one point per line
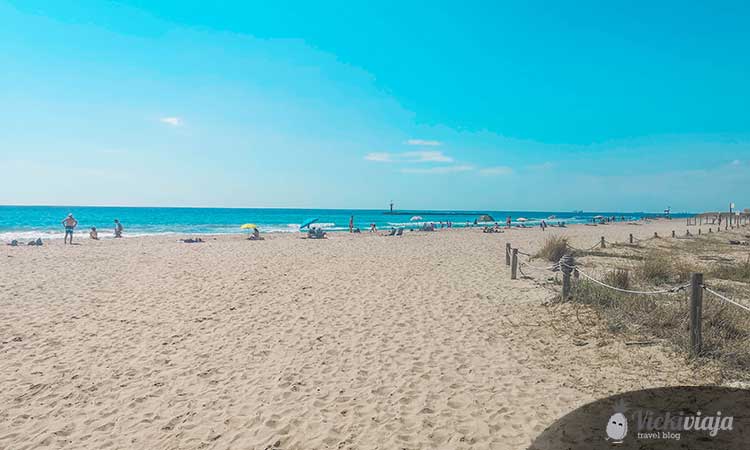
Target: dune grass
553 249
726 330
735 272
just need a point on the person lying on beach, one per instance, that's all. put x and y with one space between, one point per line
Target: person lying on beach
118 229
70 224
191 240
93 234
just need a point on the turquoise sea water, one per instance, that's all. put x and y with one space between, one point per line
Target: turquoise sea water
26 222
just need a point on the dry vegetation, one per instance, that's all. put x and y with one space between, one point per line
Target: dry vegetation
619 278
735 272
553 249
726 328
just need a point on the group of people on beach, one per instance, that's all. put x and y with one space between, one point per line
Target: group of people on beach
70 223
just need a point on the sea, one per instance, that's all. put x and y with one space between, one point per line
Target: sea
31 222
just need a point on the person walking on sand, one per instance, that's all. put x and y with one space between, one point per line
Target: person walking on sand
70 224
118 229
351 224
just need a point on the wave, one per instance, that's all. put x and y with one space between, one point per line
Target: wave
28 235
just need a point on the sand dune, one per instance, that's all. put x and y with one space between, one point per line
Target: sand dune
357 341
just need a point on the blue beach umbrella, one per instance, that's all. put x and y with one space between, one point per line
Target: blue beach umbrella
308 222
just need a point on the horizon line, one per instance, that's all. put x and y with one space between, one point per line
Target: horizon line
584 211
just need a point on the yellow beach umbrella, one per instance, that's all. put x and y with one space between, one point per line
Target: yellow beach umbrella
248 226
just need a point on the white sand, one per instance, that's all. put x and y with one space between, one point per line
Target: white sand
357 341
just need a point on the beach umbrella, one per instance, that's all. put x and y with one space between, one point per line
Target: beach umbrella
598 217
308 222
521 219
416 218
249 226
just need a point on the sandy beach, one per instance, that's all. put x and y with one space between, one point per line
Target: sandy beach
353 342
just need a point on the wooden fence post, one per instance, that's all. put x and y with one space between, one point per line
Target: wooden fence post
514 265
655 234
566 267
603 244
507 253
631 238
709 230
699 231
696 307
672 233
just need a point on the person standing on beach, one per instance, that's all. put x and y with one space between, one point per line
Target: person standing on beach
351 224
507 222
118 229
70 224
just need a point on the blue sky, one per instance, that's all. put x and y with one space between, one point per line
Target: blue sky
454 105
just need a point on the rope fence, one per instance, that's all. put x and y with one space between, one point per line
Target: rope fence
729 300
671 290
568 267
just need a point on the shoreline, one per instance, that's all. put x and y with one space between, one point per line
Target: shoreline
6 236
106 236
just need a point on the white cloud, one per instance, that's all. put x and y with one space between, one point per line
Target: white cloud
379 157
497 170
425 142
439 169
542 166
174 121
427 157
409 157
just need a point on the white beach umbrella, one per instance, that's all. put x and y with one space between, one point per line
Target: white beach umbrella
416 218
521 219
